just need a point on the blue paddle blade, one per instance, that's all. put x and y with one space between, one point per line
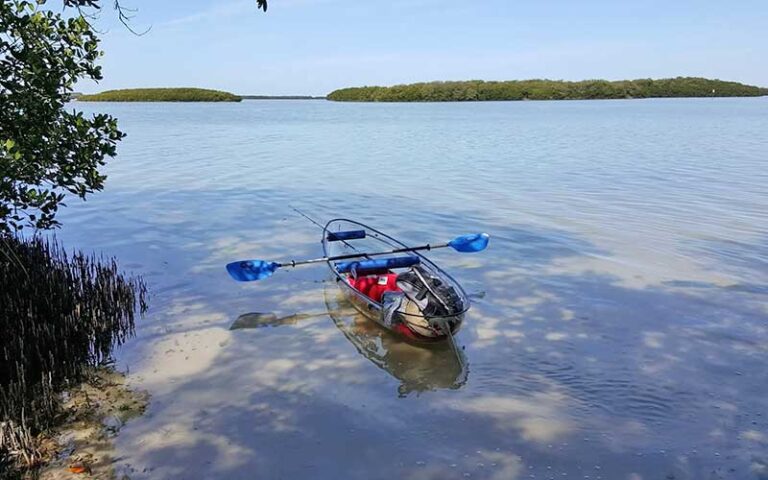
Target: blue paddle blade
475 242
249 270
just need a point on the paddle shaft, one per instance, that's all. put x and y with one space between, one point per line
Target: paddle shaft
294 263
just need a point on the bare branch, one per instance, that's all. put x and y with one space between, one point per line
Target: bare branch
125 15
262 4
82 3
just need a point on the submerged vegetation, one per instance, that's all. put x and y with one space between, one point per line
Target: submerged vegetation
62 314
478 90
161 95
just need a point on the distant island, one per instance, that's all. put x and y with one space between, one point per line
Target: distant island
478 90
280 97
161 95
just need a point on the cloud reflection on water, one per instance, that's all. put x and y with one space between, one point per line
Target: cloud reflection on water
621 332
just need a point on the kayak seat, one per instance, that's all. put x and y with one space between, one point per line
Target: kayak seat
374 286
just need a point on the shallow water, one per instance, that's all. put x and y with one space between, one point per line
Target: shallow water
620 320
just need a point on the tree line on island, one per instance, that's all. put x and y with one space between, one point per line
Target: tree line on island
479 90
161 95
462 91
178 95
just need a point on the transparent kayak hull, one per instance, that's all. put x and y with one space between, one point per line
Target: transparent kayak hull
437 328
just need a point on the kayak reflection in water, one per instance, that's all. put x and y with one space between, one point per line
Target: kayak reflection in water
419 368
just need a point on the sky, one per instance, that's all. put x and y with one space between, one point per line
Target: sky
312 47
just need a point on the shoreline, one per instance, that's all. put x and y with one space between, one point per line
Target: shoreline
527 100
537 100
92 414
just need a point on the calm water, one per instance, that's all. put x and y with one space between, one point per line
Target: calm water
620 319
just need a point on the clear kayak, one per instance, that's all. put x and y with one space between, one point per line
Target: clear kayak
405 292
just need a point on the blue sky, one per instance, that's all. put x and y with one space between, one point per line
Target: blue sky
315 46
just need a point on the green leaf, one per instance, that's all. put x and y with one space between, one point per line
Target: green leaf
47 152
